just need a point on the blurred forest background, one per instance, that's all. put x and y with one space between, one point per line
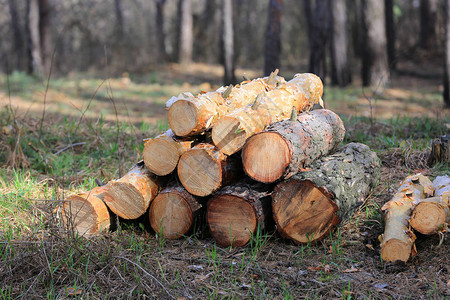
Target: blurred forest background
363 42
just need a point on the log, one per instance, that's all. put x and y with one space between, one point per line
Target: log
190 115
161 154
309 204
397 241
129 197
231 131
432 215
173 212
204 169
235 212
86 213
440 150
287 147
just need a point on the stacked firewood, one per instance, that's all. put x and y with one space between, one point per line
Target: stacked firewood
243 156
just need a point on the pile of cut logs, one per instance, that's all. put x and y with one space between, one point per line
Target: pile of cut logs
242 156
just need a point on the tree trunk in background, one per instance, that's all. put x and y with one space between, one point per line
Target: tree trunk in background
36 55
161 37
428 17
447 54
186 33
228 42
208 29
17 35
273 37
28 43
390 33
119 19
340 69
45 31
375 70
318 35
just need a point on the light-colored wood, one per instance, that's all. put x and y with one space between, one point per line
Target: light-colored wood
190 115
432 215
235 212
309 204
397 241
231 131
161 154
204 169
313 135
129 197
173 212
86 213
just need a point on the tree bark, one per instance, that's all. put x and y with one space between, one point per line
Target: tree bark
161 36
446 80
397 241
375 70
186 32
204 169
432 215
189 115
17 35
235 213
390 34
35 38
119 19
231 131
318 27
428 18
287 147
440 151
228 42
161 154
86 213
273 37
45 31
340 68
129 197
173 212
309 205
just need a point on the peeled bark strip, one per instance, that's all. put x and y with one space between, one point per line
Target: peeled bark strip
204 169
173 212
86 213
308 205
397 241
130 196
432 215
235 212
302 92
440 150
287 147
161 154
189 115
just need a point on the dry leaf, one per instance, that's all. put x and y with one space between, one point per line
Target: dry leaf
351 270
74 291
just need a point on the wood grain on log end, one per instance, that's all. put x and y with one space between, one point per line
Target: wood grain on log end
428 217
265 156
232 224
86 213
227 136
303 212
172 212
396 249
182 117
161 156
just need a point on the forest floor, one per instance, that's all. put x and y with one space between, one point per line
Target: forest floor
105 121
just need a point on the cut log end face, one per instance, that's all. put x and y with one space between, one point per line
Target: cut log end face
303 212
182 117
228 136
125 200
428 217
170 215
232 220
199 173
86 214
153 153
395 249
265 157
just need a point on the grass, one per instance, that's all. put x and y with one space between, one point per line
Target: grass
39 259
